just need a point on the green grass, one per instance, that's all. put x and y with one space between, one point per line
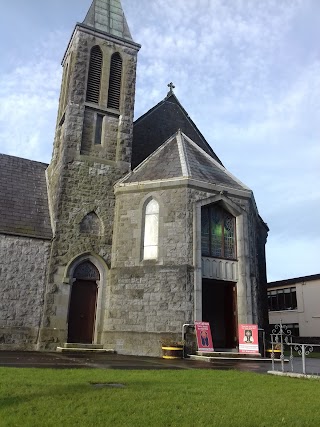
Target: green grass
43 397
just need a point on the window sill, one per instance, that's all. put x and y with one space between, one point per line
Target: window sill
216 257
100 109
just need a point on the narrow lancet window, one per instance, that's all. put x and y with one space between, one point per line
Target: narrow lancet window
115 82
98 133
151 231
94 76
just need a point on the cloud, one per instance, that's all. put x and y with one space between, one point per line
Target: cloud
28 103
247 72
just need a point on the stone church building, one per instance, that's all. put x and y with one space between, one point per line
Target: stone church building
135 228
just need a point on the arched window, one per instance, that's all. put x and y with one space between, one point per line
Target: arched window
115 81
151 230
218 232
94 76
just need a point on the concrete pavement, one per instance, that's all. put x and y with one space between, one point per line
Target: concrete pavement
116 361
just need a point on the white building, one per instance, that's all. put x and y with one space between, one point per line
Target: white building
297 303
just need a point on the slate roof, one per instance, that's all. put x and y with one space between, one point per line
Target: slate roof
156 126
108 16
180 157
23 198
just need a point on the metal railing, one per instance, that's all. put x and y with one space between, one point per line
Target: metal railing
280 339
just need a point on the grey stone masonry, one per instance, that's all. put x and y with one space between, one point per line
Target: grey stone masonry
23 265
155 298
82 173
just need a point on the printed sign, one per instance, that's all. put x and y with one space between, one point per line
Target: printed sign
248 339
204 338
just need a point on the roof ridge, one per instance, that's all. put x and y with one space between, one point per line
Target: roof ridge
220 166
183 155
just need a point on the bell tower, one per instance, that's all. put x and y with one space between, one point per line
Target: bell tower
92 148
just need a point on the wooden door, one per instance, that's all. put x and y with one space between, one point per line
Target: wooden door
82 312
231 316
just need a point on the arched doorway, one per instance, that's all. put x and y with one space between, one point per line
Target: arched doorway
83 302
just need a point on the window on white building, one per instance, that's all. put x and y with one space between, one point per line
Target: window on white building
282 299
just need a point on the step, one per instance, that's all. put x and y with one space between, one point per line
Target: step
229 354
209 359
80 345
83 350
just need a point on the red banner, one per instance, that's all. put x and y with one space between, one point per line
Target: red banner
204 338
248 339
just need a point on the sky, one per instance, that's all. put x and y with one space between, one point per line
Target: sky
246 71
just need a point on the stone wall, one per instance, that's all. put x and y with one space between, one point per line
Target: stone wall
151 300
23 266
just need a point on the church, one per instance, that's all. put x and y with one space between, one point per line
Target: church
135 228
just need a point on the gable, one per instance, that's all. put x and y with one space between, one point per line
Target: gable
23 198
156 126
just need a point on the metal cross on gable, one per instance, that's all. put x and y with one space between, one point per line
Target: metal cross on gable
171 86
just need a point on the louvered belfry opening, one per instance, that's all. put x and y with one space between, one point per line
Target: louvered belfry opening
115 81
94 77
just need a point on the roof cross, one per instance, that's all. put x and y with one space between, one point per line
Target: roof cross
171 86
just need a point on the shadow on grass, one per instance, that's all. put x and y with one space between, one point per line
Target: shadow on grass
62 392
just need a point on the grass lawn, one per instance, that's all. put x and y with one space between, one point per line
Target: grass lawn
43 397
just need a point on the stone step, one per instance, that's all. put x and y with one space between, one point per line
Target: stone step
83 350
229 354
230 358
80 345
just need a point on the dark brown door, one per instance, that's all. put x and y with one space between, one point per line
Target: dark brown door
231 315
219 308
82 312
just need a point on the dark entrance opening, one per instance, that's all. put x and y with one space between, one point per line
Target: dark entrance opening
83 301
219 308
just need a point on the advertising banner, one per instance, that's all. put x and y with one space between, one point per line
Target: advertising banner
204 338
248 339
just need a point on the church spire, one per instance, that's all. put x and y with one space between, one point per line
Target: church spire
108 16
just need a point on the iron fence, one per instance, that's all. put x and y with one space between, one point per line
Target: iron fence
282 339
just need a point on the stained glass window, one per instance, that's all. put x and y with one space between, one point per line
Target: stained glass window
217 232
86 271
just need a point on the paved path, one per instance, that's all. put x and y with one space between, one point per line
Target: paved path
116 361
312 366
